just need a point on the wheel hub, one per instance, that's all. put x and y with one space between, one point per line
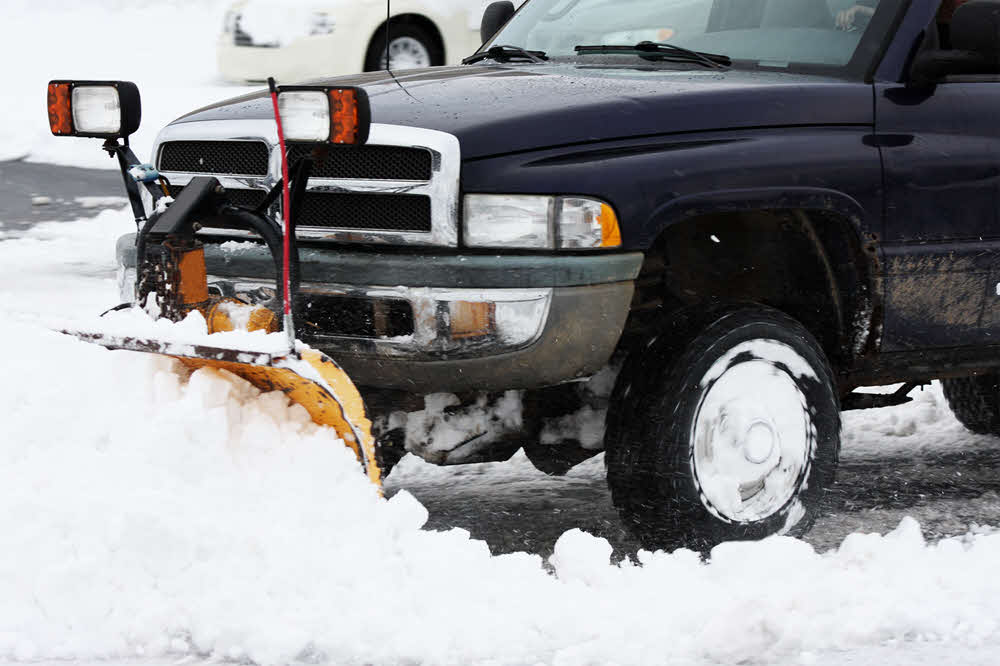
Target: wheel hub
759 442
751 439
407 53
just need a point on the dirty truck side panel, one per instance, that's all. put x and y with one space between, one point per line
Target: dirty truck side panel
941 148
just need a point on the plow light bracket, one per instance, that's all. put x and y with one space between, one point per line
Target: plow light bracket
98 109
323 115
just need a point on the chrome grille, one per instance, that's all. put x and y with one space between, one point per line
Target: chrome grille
401 188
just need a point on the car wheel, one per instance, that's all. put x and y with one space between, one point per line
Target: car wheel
410 47
975 402
727 428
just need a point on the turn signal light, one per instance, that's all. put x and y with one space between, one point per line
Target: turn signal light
60 109
611 234
471 319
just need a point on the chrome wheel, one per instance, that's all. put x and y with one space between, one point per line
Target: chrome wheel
753 435
725 426
407 53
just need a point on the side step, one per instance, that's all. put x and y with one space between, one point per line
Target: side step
855 400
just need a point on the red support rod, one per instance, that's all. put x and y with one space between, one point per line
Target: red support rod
286 208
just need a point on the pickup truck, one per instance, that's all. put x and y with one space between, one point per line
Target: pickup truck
712 220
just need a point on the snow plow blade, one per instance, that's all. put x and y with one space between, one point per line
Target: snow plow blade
309 378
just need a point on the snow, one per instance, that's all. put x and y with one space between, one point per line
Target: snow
101 202
151 514
447 431
167 48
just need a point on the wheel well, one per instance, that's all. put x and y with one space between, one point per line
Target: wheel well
413 19
809 264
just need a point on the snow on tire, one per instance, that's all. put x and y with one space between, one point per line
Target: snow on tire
733 429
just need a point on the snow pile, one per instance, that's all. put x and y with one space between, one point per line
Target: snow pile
154 515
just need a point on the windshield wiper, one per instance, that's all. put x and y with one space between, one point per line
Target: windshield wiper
504 53
661 48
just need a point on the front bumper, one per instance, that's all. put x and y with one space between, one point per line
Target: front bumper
457 323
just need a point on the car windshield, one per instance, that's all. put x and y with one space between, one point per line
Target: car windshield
775 33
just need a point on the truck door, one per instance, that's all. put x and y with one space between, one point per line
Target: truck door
941 154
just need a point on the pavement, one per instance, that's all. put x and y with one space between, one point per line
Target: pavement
32 193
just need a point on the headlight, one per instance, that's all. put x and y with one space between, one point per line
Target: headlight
318 114
102 109
97 110
539 222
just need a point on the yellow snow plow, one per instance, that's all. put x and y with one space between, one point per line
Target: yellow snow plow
171 280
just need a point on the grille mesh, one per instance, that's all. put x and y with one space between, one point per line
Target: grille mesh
368 162
324 316
245 198
370 212
244 158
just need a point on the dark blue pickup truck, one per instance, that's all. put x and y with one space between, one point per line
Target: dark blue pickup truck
746 209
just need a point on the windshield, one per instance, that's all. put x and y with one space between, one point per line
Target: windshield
774 33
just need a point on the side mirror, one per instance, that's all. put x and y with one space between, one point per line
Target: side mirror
495 17
975 41
98 109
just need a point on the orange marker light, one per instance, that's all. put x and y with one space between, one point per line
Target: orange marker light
611 235
472 319
60 111
344 121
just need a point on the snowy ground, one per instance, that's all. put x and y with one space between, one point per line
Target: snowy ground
152 517
148 518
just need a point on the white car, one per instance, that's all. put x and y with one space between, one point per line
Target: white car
301 39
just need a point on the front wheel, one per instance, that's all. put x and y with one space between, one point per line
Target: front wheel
975 402
410 47
731 430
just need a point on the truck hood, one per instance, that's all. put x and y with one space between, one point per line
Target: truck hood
496 110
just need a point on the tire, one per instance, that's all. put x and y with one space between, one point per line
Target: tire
743 373
412 39
557 459
975 402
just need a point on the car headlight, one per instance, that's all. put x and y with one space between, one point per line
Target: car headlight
539 222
